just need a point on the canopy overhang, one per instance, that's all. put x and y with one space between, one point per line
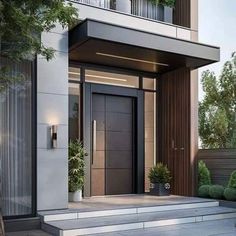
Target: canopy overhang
102 43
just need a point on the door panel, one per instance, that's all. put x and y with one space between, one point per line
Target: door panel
119 181
112 167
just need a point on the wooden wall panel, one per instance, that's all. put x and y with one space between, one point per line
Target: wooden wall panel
182 13
221 163
174 133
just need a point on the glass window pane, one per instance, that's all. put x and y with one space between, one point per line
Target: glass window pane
150 134
74 111
149 83
101 77
16 141
74 73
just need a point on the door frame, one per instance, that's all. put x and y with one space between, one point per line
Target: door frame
88 90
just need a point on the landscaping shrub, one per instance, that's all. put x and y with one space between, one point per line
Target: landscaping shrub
230 194
232 180
204 177
203 191
216 191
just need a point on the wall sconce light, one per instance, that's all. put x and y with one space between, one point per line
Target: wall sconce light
54 136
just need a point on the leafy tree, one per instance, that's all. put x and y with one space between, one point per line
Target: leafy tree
21 25
217 111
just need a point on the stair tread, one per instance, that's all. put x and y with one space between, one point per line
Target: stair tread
137 218
122 207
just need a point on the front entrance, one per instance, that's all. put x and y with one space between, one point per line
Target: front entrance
113 145
114 135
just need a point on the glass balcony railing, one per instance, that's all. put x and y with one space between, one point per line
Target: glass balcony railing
143 8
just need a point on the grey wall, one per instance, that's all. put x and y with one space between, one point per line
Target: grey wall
221 163
52 109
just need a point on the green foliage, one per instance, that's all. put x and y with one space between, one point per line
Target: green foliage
204 177
230 194
159 174
22 23
216 191
217 126
203 191
167 3
232 180
76 166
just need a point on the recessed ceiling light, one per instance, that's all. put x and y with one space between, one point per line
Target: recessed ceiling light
130 59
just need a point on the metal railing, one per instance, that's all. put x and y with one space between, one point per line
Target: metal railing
143 8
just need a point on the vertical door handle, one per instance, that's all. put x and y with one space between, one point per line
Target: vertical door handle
94 139
173 145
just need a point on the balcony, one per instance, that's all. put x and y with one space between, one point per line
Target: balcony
142 8
111 12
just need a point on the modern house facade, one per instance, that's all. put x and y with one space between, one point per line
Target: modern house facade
124 81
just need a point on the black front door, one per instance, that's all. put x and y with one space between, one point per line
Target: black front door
113 145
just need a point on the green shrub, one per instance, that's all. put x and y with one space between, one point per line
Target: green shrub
230 194
204 177
232 180
76 166
159 174
216 191
203 191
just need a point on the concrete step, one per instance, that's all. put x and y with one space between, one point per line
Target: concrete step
80 214
104 224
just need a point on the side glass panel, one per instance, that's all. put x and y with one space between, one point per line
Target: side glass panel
74 111
108 78
16 141
149 83
74 73
150 134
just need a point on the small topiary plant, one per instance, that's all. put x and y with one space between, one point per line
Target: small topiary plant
204 177
230 194
216 191
232 180
159 174
203 191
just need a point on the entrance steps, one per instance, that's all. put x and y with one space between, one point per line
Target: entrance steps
76 222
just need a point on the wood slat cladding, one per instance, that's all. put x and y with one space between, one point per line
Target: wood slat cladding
174 129
182 13
221 163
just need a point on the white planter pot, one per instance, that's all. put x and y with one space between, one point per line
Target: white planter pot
123 6
75 196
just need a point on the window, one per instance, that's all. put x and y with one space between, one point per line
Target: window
101 77
74 111
150 133
16 141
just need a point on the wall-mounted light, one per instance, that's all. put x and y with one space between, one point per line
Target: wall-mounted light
54 136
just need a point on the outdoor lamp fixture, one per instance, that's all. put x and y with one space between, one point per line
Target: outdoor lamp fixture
54 136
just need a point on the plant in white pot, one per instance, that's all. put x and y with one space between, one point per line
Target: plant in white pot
76 170
159 177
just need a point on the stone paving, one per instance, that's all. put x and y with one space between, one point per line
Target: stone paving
210 228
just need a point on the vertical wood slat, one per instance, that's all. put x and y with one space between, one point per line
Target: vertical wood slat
175 112
182 13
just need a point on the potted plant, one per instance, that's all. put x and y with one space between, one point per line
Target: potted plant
76 170
165 3
159 177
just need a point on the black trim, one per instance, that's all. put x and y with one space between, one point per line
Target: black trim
34 139
22 224
113 69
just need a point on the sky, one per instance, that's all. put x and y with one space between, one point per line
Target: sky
217 26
